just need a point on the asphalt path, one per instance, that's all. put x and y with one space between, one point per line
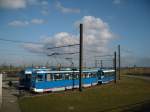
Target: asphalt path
9 99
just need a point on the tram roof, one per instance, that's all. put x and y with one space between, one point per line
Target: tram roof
42 70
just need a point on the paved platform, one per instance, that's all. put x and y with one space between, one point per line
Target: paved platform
10 100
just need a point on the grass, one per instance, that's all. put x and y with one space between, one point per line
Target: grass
129 94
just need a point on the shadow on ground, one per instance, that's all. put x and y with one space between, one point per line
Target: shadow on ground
139 107
143 106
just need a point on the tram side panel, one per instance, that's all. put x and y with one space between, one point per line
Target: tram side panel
60 81
63 84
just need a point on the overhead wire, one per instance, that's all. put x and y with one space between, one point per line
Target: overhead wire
70 45
54 54
18 41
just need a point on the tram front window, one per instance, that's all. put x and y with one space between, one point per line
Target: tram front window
39 78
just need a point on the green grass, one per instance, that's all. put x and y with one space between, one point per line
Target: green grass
129 94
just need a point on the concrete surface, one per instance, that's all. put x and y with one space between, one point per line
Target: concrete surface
10 99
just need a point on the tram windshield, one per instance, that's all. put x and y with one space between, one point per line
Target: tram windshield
39 78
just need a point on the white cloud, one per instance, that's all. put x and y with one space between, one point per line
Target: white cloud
13 4
37 21
116 2
36 48
37 2
18 23
45 8
96 37
45 11
63 9
60 39
44 2
96 31
17 4
32 2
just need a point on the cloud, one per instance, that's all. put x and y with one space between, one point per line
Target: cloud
13 4
63 9
37 21
45 11
20 4
116 2
97 35
96 31
18 23
21 23
44 2
17 4
32 2
45 8
36 48
60 39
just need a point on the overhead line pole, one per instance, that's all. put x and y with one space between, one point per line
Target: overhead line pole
95 63
115 67
101 64
81 57
1 90
119 61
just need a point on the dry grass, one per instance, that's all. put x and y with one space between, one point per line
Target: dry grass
127 95
136 71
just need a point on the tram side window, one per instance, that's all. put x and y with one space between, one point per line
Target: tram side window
88 75
67 76
45 77
76 76
71 76
49 77
93 75
58 77
83 75
39 78
109 74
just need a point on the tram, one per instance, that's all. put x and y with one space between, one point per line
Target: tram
48 80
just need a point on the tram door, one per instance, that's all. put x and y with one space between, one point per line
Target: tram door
100 76
28 80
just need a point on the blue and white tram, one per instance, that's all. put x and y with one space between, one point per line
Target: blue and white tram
106 76
43 80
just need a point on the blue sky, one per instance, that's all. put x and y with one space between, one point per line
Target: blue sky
125 22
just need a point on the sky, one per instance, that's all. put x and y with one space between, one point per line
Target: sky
51 23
